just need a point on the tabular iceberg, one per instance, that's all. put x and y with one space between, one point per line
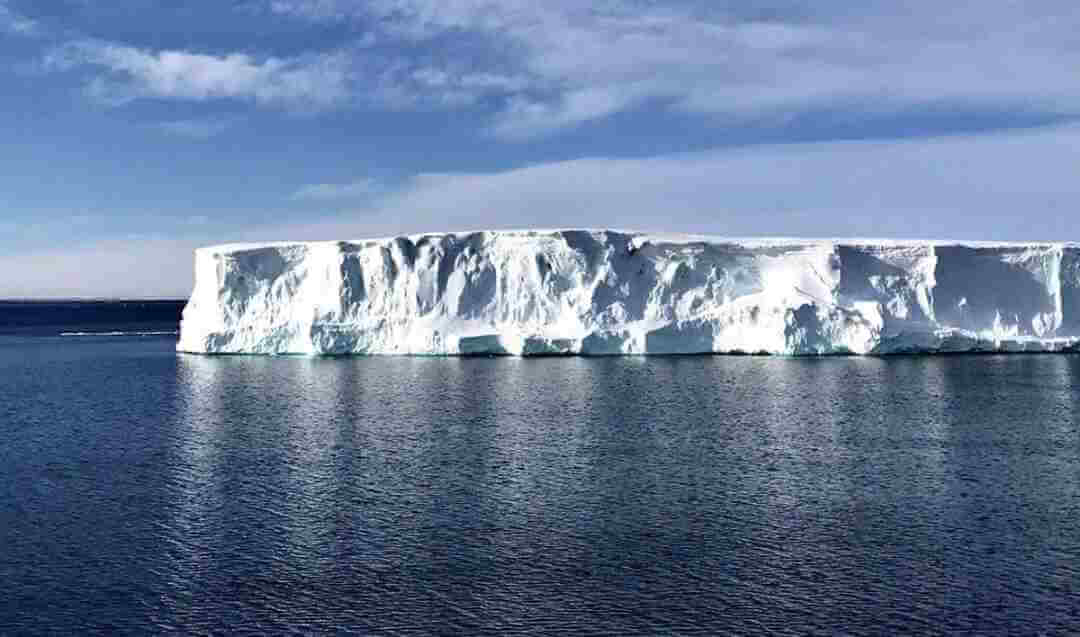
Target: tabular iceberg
601 292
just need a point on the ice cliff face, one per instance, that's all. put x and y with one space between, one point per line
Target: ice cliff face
605 292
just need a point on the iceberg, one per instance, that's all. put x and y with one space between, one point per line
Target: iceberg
605 292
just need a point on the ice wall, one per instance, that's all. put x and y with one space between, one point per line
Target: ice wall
606 292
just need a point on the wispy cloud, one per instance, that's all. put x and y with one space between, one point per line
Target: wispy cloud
359 189
954 187
197 129
116 268
567 62
128 73
14 22
85 220
536 67
529 68
965 187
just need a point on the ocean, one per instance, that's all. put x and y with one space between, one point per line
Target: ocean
146 491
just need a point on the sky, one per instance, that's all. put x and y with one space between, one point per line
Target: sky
133 131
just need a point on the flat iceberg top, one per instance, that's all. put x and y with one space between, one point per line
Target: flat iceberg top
664 237
592 292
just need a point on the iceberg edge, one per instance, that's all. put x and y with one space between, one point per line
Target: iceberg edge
606 292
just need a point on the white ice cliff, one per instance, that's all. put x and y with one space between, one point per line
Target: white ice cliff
606 292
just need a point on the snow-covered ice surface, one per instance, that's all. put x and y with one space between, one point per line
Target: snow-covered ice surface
597 292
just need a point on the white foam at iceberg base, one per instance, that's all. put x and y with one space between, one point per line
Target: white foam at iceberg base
605 292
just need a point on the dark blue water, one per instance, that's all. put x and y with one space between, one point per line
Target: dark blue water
145 491
82 318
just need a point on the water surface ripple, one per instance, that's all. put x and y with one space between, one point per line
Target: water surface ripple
140 490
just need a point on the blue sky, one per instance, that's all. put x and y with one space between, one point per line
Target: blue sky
133 132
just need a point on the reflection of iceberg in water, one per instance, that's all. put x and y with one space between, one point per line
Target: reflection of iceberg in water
196 510
525 484
499 495
849 466
793 450
311 421
1011 467
993 462
1065 432
256 488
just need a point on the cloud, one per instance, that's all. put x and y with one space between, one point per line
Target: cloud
530 68
1004 186
108 269
956 187
567 62
339 78
198 129
129 73
16 23
333 192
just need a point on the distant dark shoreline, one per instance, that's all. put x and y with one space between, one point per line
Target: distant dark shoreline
89 314
84 301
